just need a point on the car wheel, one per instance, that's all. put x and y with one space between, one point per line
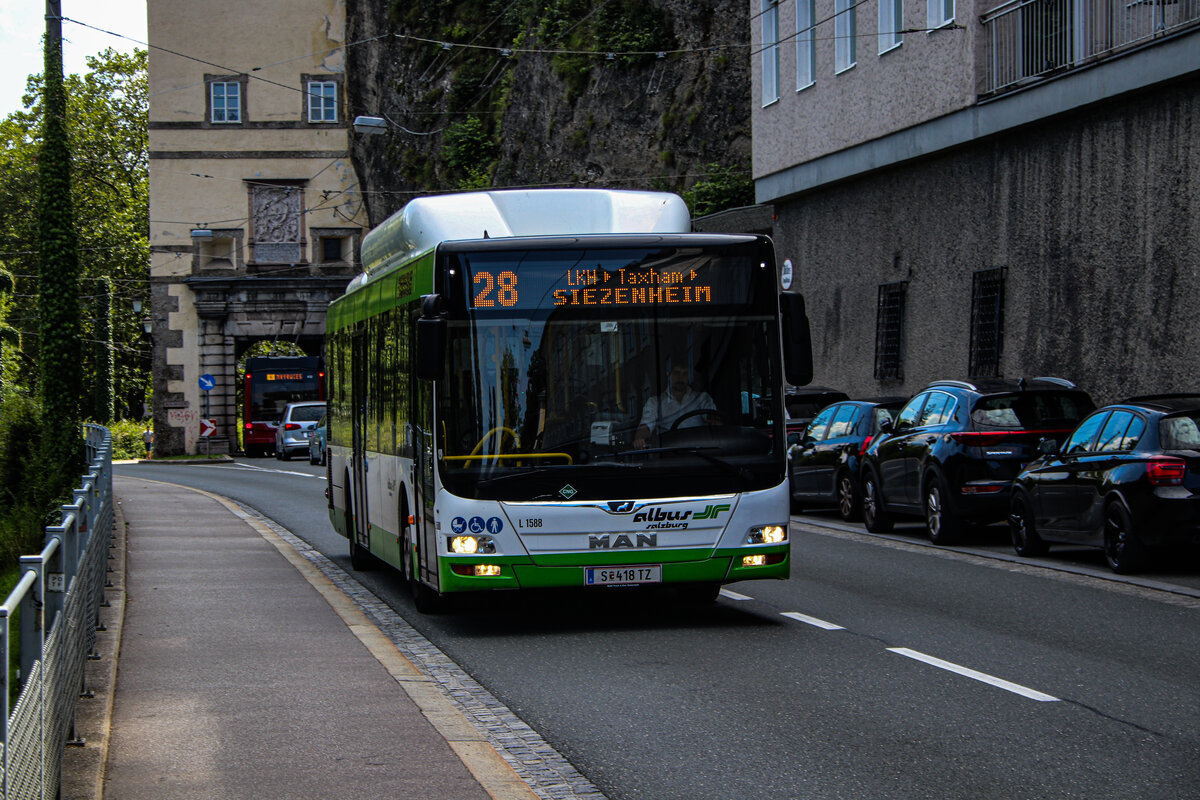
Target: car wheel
1025 538
1123 551
944 528
285 454
848 497
875 516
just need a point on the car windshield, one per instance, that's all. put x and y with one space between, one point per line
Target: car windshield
1031 410
1181 432
307 413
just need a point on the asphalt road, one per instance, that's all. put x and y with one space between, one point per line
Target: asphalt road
885 668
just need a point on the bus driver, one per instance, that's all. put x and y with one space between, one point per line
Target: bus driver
679 399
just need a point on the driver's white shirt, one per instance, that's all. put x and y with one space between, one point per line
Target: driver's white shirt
662 411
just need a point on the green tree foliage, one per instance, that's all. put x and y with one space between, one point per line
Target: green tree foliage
467 152
722 187
58 287
21 516
109 149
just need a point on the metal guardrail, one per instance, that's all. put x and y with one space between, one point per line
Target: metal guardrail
1028 40
58 596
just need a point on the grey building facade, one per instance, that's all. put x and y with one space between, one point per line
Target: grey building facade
982 192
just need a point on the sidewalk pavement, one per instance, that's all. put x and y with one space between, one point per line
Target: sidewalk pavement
231 668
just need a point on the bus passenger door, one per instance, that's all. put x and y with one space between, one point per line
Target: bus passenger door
424 447
358 459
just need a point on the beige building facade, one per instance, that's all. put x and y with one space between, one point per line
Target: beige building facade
255 208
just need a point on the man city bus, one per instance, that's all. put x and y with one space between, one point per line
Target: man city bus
556 388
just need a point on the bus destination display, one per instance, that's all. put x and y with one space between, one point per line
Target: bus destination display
591 287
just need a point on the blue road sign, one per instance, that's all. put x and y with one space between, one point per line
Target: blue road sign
207 382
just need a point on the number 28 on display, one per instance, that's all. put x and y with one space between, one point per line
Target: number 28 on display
492 288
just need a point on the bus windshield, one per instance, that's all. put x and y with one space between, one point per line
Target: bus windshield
611 373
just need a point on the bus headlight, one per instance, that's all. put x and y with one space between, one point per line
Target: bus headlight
471 545
767 534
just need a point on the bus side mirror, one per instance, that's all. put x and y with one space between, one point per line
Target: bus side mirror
431 340
797 339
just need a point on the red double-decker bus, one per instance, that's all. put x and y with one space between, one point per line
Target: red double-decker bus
271 383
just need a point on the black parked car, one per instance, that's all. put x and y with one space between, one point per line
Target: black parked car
825 459
802 405
956 446
1127 479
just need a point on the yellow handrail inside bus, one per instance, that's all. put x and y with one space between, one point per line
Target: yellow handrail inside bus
509 457
501 430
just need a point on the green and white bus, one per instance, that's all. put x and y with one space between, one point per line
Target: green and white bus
562 387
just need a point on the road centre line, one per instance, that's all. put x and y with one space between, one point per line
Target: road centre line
807 620
1000 683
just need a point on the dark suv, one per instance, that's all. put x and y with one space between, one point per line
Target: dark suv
955 447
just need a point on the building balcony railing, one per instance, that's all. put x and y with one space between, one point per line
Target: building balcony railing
1030 40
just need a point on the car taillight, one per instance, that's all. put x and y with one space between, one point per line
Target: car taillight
291 426
1166 471
989 438
866 443
249 426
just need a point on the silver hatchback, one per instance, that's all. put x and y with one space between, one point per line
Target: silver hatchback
295 429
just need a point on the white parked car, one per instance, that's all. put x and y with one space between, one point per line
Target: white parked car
295 429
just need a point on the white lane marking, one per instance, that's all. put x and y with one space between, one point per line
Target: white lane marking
253 468
1000 683
734 595
816 623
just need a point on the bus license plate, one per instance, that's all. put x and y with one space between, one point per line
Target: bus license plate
623 576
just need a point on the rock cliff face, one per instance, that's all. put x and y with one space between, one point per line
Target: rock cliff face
623 94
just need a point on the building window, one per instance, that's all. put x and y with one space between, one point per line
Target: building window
891 21
322 101
889 332
806 52
225 101
939 13
845 33
987 323
221 250
770 51
334 246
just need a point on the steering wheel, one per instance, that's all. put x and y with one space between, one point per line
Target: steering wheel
695 413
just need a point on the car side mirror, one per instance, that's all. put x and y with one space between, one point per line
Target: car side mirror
886 426
1048 447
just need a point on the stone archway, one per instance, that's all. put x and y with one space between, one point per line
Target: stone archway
225 316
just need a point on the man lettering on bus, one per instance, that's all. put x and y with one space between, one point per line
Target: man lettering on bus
679 400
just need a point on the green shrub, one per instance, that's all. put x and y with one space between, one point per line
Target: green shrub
127 440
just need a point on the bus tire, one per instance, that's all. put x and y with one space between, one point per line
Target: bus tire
427 600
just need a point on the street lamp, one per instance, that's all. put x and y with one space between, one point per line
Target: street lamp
201 233
371 126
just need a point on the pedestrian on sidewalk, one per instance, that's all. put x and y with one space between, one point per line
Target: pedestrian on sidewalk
148 440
